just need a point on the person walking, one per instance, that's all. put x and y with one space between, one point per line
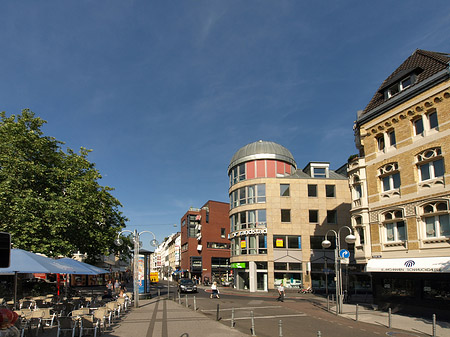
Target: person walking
117 286
214 290
280 292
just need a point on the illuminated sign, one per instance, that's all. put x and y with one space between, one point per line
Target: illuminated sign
251 231
238 265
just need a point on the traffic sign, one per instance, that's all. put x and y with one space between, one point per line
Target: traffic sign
344 253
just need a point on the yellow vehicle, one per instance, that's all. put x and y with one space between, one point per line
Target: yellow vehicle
154 277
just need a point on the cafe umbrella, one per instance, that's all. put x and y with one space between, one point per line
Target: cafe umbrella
24 262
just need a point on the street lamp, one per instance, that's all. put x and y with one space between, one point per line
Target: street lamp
350 238
136 241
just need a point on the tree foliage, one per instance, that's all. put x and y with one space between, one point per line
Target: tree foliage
50 200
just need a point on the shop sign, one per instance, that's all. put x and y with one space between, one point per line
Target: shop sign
239 265
251 231
279 243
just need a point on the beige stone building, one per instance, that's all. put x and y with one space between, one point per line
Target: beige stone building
279 216
400 183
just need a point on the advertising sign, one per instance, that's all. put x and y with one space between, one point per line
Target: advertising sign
238 265
243 244
279 243
141 274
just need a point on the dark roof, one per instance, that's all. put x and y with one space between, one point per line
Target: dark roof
423 63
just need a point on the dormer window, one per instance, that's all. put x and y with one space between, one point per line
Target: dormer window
399 86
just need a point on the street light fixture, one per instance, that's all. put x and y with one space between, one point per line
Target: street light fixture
136 242
350 238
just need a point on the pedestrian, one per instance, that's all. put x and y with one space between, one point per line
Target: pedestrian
117 286
110 286
280 292
214 290
122 286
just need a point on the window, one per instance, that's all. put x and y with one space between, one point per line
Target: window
430 164
315 242
395 228
312 190
399 86
280 266
248 195
433 120
237 174
418 126
360 231
330 191
313 216
248 219
391 137
332 217
294 242
284 190
285 215
390 177
222 233
319 172
436 219
218 245
279 241
380 142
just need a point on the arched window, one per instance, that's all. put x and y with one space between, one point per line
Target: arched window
430 164
389 175
436 219
394 226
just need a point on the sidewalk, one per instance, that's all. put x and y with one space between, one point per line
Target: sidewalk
161 317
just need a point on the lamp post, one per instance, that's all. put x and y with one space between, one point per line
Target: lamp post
136 242
350 238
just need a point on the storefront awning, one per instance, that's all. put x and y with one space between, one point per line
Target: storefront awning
410 265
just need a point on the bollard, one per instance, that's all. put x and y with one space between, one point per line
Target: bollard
280 328
195 304
319 334
179 299
232 318
390 318
357 306
328 303
187 305
217 314
159 293
434 325
253 323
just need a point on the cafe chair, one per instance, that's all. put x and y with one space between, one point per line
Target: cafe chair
66 324
88 323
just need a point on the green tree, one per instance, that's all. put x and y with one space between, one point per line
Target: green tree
50 200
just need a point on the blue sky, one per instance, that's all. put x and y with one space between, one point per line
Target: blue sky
165 92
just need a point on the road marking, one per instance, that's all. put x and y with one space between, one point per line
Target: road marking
276 316
245 308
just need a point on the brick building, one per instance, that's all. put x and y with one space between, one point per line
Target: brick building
205 248
400 184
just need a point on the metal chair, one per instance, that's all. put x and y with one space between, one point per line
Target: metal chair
88 323
66 324
49 317
35 320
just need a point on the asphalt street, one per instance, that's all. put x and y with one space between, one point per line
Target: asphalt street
295 317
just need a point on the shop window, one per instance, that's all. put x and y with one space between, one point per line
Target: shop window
280 266
262 244
313 216
295 266
285 215
330 191
294 242
312 190
279 241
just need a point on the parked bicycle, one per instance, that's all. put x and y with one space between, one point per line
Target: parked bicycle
308 290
